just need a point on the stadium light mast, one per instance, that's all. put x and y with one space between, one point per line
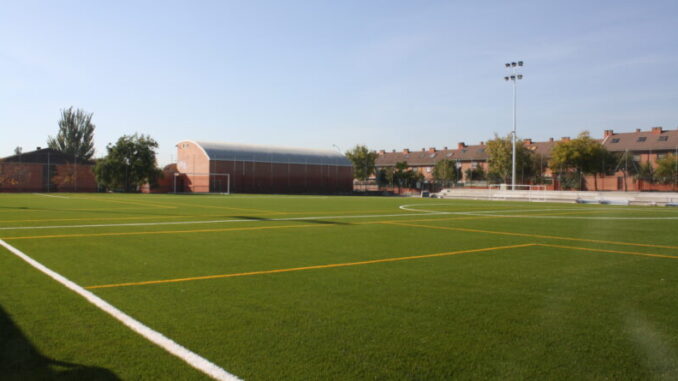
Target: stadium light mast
513 77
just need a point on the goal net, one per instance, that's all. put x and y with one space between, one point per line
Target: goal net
217 183
518 191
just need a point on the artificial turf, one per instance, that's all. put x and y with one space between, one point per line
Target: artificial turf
499 290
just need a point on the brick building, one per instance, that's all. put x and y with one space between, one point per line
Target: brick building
240 168
46 170
643 146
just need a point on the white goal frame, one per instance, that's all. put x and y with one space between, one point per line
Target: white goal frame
504 191
212 177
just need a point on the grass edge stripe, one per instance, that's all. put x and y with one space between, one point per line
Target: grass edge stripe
316 267
191 358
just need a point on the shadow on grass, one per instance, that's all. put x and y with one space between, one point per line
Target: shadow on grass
254 218
20 360
310 221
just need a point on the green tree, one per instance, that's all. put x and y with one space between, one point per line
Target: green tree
363 162
446 172
475 174
385 176
500 159
667 170
646 172
582 155
405 177
129 164
628 166
76 135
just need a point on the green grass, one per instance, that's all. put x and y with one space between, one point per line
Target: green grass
592 295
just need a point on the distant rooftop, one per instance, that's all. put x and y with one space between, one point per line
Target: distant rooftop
271 154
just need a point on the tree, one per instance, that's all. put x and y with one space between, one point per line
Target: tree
627 165
405 177
129 163
582 155
446 172
76 135
475 174
646 172
363 162
667 170
500 158
18 150
385 176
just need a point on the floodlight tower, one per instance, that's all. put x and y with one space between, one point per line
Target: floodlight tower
513 77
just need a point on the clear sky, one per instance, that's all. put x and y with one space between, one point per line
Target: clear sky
388 74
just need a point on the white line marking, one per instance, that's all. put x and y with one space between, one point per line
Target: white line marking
191 358
493 213
50 195
213 221
407 207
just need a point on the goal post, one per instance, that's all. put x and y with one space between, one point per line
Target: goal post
528 191
212 182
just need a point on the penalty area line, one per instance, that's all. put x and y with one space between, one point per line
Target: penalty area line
157 338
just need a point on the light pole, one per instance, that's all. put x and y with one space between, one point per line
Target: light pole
513 77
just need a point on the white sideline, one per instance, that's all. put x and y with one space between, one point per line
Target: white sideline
406 208
50 195
217 221
191 358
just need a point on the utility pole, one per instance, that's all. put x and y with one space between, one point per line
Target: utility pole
513 77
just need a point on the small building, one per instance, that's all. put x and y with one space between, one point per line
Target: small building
240 168
46 170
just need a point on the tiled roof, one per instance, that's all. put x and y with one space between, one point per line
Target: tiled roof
656 139
430 157
44 155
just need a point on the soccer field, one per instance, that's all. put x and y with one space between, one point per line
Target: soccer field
295 287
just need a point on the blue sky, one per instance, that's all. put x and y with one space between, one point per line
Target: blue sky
388 74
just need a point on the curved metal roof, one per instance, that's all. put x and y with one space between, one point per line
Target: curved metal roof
271 154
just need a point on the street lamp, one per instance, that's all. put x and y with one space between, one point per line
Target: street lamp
513 77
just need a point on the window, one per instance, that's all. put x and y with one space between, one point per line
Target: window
432 155
663 138
481 150
450 154
615 140
636 158
661 156
474 165
641 139
428 169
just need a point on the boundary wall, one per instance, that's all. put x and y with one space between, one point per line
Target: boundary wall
615 198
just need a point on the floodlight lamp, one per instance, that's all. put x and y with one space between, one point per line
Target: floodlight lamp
520 76
506 78
507 64
513 64
520 63
513 77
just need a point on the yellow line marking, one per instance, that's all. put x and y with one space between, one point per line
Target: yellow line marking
163 232
116 234
346 264
97 219
157 205
250 210
608 251
533 235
